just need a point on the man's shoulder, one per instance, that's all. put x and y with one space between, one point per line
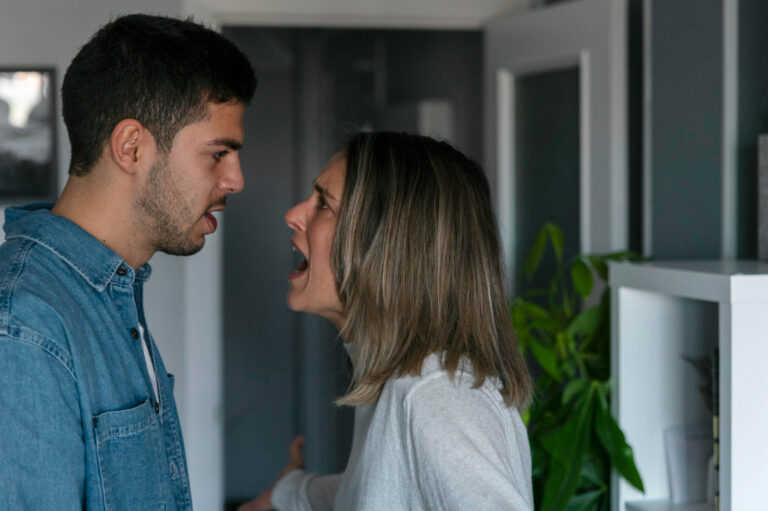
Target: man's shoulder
22 257
27 265
31 293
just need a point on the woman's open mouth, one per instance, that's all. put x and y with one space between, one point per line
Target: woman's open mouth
303 265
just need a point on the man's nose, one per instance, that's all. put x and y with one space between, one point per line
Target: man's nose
233 181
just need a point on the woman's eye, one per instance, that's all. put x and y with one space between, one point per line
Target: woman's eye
218 156
321 203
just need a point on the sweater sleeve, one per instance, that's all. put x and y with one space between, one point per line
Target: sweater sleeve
464 451
301 491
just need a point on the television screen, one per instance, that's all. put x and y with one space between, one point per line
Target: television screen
27 133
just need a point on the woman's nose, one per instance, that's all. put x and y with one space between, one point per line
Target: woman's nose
294 218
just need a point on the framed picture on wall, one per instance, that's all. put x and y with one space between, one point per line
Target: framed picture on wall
27 133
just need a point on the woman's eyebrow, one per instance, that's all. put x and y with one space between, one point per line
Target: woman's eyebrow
322 191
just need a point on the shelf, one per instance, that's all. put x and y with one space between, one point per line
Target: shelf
665 505
660 312
716 281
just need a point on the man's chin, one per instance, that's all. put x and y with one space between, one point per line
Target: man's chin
182 249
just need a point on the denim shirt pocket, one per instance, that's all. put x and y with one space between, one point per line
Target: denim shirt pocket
129 446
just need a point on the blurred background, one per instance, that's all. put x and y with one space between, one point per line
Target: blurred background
632 124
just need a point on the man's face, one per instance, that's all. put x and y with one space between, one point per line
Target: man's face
190 182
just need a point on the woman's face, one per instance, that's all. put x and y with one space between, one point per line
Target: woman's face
313 286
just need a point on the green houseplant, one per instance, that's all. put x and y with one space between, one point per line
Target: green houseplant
575 441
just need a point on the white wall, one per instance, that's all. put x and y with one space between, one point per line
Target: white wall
49 33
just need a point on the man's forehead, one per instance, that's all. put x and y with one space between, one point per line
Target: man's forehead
223 125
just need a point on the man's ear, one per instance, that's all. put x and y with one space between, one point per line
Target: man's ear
131 145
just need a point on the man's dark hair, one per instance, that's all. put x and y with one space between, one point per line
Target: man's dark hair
161 71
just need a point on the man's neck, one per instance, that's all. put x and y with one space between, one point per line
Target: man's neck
106 214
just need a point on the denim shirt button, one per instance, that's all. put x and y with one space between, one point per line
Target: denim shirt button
134 333
122 271
157 407
174 469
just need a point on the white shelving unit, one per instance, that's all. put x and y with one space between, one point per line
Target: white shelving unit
660 311
666 505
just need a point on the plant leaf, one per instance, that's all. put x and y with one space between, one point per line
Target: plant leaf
546 358
556 237
535 254
601 268
573 388
612 438
586 323
568 446
518 315
584 501
625 255
582 278
590 475
548 325
533 310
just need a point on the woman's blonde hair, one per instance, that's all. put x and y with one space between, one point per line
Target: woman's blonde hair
416 256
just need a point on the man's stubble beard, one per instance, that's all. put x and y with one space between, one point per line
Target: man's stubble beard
164 211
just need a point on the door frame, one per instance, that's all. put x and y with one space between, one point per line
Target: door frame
403 14
590 34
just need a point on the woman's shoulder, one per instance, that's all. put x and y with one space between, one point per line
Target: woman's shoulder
452 415
435 386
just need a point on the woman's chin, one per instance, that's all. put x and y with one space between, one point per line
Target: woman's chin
293 303
335 317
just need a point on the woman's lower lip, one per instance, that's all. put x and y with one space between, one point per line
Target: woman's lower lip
296 274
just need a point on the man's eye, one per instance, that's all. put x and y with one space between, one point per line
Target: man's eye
218 156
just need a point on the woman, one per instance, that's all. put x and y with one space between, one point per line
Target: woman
402 255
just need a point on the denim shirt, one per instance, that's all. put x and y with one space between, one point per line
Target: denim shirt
79 424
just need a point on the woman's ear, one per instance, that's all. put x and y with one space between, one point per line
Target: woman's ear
131 145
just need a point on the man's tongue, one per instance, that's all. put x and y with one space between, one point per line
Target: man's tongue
212 222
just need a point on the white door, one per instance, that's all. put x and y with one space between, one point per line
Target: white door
583 43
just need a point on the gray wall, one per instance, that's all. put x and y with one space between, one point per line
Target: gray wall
260 332
687 125
444 65
548 159
686 128
753 116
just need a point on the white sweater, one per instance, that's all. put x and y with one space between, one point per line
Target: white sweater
426 444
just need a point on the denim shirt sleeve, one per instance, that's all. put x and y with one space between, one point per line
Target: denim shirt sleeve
41 435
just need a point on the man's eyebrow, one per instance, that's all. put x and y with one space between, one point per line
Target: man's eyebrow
229 142
323 191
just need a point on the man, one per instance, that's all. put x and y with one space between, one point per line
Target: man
154 108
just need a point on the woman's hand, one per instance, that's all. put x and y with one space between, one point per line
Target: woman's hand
264 501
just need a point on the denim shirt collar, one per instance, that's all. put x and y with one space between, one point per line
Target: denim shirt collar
93 260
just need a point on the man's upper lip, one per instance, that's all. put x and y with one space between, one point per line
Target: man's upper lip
218 208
